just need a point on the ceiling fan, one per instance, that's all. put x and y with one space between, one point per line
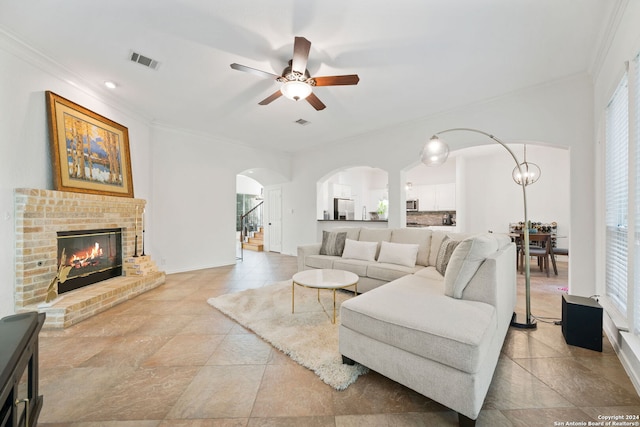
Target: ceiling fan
298 83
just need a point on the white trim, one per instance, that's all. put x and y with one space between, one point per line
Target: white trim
625 344
629 356
620 322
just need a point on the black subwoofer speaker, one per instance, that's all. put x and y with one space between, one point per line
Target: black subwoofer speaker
582 322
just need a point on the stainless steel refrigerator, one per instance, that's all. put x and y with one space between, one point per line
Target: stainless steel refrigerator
344 209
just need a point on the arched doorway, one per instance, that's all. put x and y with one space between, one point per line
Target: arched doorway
249 215
364 187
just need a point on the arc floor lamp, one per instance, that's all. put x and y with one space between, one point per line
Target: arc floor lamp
436 151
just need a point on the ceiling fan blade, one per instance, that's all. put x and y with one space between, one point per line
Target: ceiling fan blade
315 102
350 79
269 99
301 48
259 73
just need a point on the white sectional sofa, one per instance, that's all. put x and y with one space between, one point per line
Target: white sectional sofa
372 272
438 334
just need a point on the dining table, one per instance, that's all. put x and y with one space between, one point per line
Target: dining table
543 239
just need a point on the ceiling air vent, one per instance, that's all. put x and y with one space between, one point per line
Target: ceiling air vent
302 122
144 60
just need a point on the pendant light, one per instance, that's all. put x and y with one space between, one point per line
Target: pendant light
527 172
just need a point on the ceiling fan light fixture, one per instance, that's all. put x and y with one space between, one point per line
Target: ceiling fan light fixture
296 90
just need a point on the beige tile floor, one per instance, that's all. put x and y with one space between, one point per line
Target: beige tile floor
166 358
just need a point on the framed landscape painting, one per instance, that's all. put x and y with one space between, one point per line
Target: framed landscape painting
90 153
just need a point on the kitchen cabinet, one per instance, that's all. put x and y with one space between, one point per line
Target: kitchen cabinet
341 191
437 197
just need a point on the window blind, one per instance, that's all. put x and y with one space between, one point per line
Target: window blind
616 195
635 117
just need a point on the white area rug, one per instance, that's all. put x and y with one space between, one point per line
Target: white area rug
307 336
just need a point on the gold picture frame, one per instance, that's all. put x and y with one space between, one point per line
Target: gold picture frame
89 152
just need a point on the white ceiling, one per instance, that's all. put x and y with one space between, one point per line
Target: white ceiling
414 58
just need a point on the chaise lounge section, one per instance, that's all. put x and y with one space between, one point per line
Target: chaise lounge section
438 330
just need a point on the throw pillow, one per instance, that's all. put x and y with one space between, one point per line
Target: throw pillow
332 243
465 261
365 251
447 247
399 253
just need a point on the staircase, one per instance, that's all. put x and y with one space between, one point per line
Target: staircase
256 242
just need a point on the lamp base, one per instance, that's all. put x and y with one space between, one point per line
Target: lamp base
528 325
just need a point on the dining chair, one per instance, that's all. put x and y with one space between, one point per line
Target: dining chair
540 246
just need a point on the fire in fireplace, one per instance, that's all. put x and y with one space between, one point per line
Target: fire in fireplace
94 255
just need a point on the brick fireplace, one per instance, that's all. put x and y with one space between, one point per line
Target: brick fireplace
39 216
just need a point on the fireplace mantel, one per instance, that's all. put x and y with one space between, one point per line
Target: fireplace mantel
40 215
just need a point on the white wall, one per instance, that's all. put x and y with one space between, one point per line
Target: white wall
421 174
246 185
367 186
190 173
625 45
557 114
493 200
193 203
24 141
189 181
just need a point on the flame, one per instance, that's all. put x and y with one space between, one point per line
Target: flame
83 258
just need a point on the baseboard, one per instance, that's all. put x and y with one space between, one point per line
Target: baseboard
627 348
630 357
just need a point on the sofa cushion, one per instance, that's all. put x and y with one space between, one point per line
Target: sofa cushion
353 233
420 236
437 237
320 261
332 243
430 273
389 272
355 266
412 313
375 235
447 247
502 239
398 253
465 261
355 249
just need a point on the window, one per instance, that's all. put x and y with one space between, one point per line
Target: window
635 127
616 196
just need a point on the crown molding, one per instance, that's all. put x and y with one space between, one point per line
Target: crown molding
22 50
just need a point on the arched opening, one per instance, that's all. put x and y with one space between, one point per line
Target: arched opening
486 198
358 193
249 215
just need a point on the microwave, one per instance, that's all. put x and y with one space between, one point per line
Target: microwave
412 205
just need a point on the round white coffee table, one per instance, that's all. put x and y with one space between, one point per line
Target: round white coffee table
324 279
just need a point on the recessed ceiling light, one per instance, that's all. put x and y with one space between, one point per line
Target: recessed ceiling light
110 85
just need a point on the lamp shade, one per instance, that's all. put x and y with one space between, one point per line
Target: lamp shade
296 90
528 172
435 152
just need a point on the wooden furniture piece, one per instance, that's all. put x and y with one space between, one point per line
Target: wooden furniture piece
540 246
19 397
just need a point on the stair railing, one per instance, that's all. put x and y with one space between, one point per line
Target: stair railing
243 227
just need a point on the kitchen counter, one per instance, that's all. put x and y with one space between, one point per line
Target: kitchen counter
438 227
330 224
352 220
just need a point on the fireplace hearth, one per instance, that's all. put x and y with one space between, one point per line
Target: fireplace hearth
93 255
44 220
